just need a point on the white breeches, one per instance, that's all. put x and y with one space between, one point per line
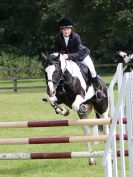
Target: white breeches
88 62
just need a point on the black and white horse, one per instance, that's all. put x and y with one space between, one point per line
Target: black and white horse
127 60
66 84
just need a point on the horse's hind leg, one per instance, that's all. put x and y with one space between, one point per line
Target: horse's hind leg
87 132
105 127
100 127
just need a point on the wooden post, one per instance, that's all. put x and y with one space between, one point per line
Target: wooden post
14 79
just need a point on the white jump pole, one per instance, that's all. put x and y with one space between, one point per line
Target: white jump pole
129 108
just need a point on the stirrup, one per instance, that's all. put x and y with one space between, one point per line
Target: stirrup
100 95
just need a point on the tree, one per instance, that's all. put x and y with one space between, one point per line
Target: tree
20 22
29 26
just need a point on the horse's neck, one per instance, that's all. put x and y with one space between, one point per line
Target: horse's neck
71 66
74 69
63 63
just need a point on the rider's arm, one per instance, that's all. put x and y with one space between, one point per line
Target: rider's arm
80 54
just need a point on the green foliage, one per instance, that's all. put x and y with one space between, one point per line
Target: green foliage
29 27
123 24
102 26
29 67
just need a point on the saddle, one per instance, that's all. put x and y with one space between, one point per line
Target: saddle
85 72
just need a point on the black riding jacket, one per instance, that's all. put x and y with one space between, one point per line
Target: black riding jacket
75 50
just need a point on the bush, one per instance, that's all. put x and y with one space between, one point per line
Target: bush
26 66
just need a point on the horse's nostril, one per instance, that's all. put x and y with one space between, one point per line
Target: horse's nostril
51 93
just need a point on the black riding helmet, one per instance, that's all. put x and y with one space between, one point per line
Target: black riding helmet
65 23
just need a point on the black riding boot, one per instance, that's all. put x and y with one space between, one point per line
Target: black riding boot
98 88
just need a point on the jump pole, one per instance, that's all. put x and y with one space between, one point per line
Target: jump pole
51 140
52 123
59 155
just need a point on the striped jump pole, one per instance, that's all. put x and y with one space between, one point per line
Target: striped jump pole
51 140
53 123
60 155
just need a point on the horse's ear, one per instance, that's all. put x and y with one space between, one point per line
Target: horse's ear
44 56
56 58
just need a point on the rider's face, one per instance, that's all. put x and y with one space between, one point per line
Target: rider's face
66 31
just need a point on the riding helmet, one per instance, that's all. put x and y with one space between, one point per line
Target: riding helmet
65 23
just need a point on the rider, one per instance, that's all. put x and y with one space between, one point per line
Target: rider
69 44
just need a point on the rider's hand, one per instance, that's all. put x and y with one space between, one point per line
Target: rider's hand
65 56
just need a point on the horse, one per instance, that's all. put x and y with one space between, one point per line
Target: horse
66 84
122 57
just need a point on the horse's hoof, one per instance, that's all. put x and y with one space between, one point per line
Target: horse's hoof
44 99
66 113
92 161
82 109
100 128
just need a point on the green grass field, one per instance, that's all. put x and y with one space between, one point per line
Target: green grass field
26 105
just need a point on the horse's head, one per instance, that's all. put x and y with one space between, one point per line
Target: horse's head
53 72
120 56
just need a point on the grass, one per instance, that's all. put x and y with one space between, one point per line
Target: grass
26 105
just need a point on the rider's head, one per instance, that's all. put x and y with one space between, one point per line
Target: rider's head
65 26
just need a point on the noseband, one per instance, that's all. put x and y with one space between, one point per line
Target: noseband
52 81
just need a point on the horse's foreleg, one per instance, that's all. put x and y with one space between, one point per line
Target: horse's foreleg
58 109
105 115
77 102
78 105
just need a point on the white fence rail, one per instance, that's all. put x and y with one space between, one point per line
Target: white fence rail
125 95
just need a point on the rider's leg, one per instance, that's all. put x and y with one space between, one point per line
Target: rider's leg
97 86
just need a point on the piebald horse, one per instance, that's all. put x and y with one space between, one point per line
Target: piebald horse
66 84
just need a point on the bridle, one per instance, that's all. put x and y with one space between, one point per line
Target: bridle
61 77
